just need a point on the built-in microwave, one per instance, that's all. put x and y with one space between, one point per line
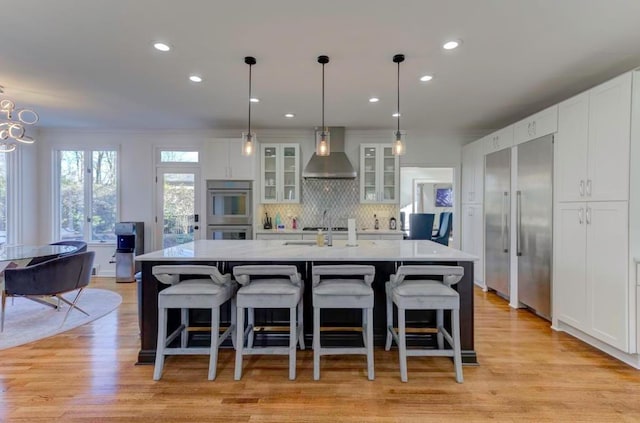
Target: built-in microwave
229 203
229 232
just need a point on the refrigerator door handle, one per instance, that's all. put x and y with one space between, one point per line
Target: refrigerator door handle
503 222
518 222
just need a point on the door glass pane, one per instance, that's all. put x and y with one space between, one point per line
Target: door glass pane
3 198
178 208
72 213
269 169
105 196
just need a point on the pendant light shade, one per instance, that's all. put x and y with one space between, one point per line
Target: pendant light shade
399 144
323 145
249 138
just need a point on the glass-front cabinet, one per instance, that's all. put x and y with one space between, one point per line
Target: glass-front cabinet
280 173
379 174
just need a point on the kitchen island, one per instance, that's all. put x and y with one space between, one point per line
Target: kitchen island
385 255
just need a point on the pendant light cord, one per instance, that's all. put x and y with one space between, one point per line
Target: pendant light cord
398 132
323 98
249 131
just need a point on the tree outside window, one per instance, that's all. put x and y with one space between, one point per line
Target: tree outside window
96 194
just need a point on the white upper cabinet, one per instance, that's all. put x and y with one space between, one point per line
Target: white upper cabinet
473 172
537 125
592 147
499 140
223 159
609 140
379 174
280 173
571 148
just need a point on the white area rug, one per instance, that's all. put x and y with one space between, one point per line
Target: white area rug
27 321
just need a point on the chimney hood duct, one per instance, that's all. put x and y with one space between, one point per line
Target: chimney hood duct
334 166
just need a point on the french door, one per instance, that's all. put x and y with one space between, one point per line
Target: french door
178 205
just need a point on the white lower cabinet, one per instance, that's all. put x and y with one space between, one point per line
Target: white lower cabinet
591 283
472 237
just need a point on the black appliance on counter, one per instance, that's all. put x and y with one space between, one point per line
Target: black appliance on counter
130 243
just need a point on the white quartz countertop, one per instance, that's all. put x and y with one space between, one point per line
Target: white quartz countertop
300 231
281 250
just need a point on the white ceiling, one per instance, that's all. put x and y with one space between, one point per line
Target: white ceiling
90 64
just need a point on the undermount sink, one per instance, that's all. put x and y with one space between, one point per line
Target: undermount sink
299 242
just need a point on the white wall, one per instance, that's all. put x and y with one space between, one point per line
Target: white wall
137 168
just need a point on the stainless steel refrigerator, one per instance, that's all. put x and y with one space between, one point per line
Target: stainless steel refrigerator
497 206
534 224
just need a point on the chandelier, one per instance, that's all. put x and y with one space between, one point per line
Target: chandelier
13 124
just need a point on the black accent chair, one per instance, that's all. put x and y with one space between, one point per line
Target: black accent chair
49 279
442 236
82 247
421 225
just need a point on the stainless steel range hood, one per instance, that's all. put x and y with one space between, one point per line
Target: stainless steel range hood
334 166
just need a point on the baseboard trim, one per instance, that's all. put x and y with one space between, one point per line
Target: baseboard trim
632 360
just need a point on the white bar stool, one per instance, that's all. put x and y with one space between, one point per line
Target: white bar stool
208 293
425 294
343 293
268 291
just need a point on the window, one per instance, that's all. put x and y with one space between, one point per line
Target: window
174 156
3 198
87 195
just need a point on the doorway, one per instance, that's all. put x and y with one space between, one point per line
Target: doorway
427 190
177 220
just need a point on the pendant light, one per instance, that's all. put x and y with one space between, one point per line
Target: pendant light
323 146
399 143
249 138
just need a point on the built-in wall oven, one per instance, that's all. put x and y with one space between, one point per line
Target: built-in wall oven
229 209
229 232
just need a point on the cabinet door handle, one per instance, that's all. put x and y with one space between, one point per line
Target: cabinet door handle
589 187
529 128
503 222
533 126
581 216
581 188
588 215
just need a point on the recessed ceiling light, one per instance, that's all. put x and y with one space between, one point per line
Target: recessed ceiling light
161 46
396 115
195 78
254 100
289 115
450 45
374 100
425 78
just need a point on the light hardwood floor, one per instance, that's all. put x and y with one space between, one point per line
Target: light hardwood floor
527 373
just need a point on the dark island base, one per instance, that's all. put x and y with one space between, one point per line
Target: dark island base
148 314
